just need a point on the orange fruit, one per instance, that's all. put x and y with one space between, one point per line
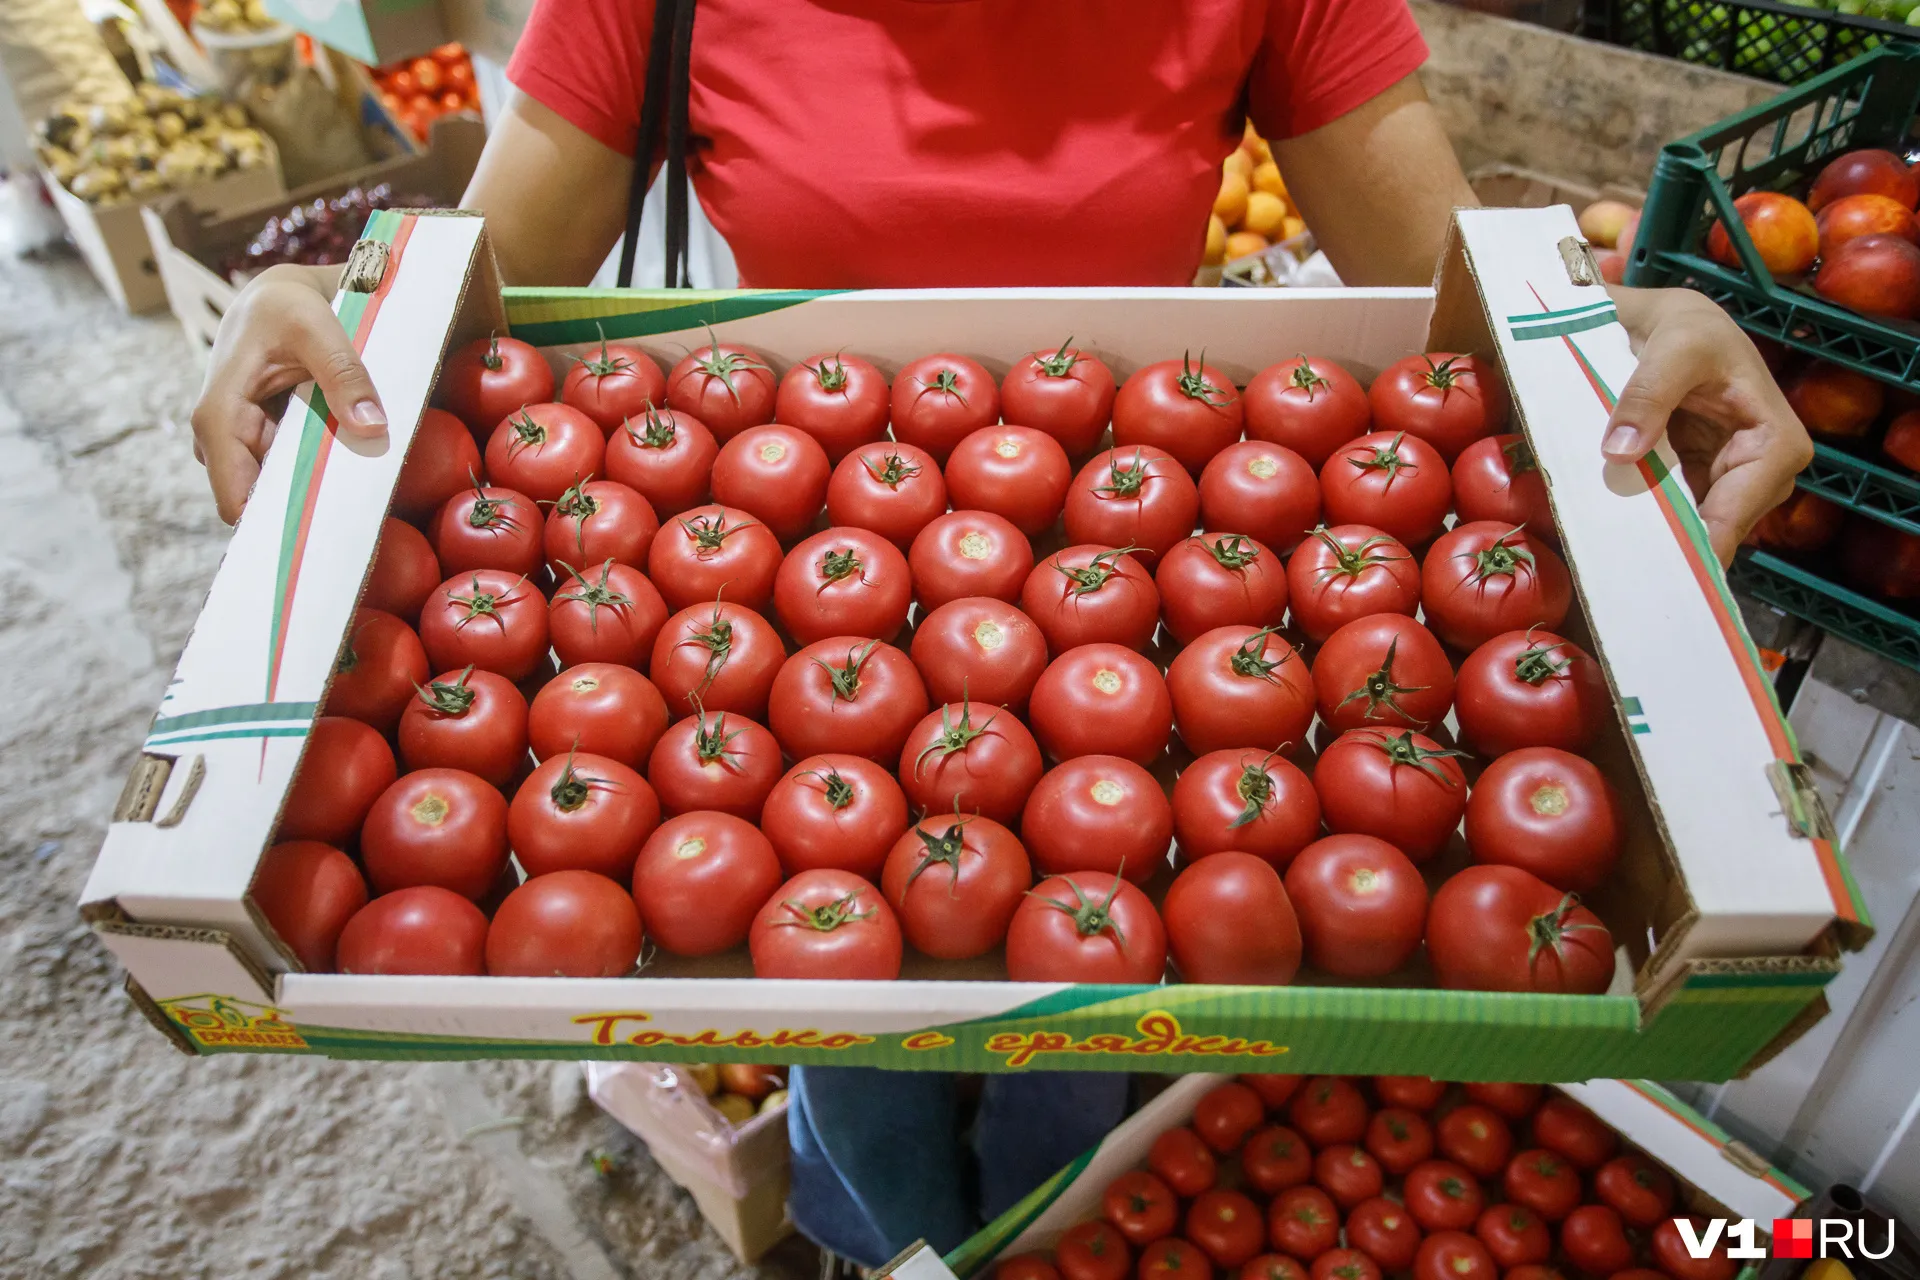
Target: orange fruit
1291 226
1265 214
1240 162
1242 243
1256 144
1231 204
1216 242
1266 177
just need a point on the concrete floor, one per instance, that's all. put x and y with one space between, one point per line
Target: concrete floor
119 1157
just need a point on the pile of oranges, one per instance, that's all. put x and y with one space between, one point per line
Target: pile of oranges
1253 209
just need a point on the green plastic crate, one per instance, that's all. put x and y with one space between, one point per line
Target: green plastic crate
1767 39
1891 497
1847 614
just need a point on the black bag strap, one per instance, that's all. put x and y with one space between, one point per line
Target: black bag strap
669 80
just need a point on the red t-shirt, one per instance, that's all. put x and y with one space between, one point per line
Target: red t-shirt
902 143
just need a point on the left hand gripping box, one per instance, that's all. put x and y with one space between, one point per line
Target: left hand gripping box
1728 909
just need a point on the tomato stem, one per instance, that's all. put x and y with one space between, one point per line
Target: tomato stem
1091 918
1442 376
845 679
483 604
576 502
1060 363
1402 749
839 792
1250 658
1379 689
710 744
605 365
1536 664
724 364
831 377
1500 559
828 917
492 359
1125 482
1303 378
1193 383
718 639
1351 562
448 698
946 382
1520 459
594 594
944 848
1233 552
1256 790
527 432
572 788
708 532
1386 458
658 433
838 565
953 737
1549 930
893 471
1094 574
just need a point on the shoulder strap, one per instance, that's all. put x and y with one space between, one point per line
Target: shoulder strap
672 42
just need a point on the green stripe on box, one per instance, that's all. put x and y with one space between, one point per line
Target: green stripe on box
555 317
1534 331
985 1245
248 714
1604 304
255 731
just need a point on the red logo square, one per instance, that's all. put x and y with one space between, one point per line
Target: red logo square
1793 1237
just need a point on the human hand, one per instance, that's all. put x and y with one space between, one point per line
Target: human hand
1702 384
279 332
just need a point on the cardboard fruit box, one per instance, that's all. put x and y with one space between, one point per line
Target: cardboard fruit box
1729 906
1717 1176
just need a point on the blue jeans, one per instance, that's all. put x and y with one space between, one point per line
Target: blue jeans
878 1160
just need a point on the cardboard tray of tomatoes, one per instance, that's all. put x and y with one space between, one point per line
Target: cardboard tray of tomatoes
1349 1178
832 836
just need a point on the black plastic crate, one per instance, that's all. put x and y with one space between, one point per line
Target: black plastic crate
1766 39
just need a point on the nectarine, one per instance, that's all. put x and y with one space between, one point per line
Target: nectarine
1805 522
1866 214
1602 222
1834 402
1781 229
1901 444
1874 275
1861 172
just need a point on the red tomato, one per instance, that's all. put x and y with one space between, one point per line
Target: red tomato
956 882
423 930
1399 1139
1248 801
717 657
607 614
839 400
1220 580
1362 905
1498 479
714 552
436 826
1140 1206
1392 481
1098 813
543 450
1442 1196
666 458
1272 1266
979 648
1025 1266
610 711
1549 812
725 763
441 461
1639 1190
940 400
1086 927
1504 929
1531 689
380 666
345 768
308 891
1345 1264
727 387
1413 1093
486 618
1308 404
700 880
1513 1234
1227 1226
1183 1161
895 490
1276 1158
1566 1128
1102 699
1092 1251
427 75
1403 787
1348 1174
582 813
826 924
597 521
1486 578
1190 410
776 474
614 384
1346 573
489 378
1385 670
1091 595
969 553
405 571
1477 1138
1275 1089
843 582
1229 921
1329 1110
1595 1240
1544 1182
1139 497
834 812
1174 1259
970 757
1068 394
565 924
1018 473
1514 1102
488 528
1447 400
845 694
1266 491
1671 1256
1303 1222
1239 686
467 719
1226 1114
1385 1231
1453 1255
1538 1271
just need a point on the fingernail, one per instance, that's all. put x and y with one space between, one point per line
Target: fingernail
367 414
1620 440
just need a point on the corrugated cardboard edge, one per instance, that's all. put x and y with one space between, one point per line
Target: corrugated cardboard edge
153 1013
